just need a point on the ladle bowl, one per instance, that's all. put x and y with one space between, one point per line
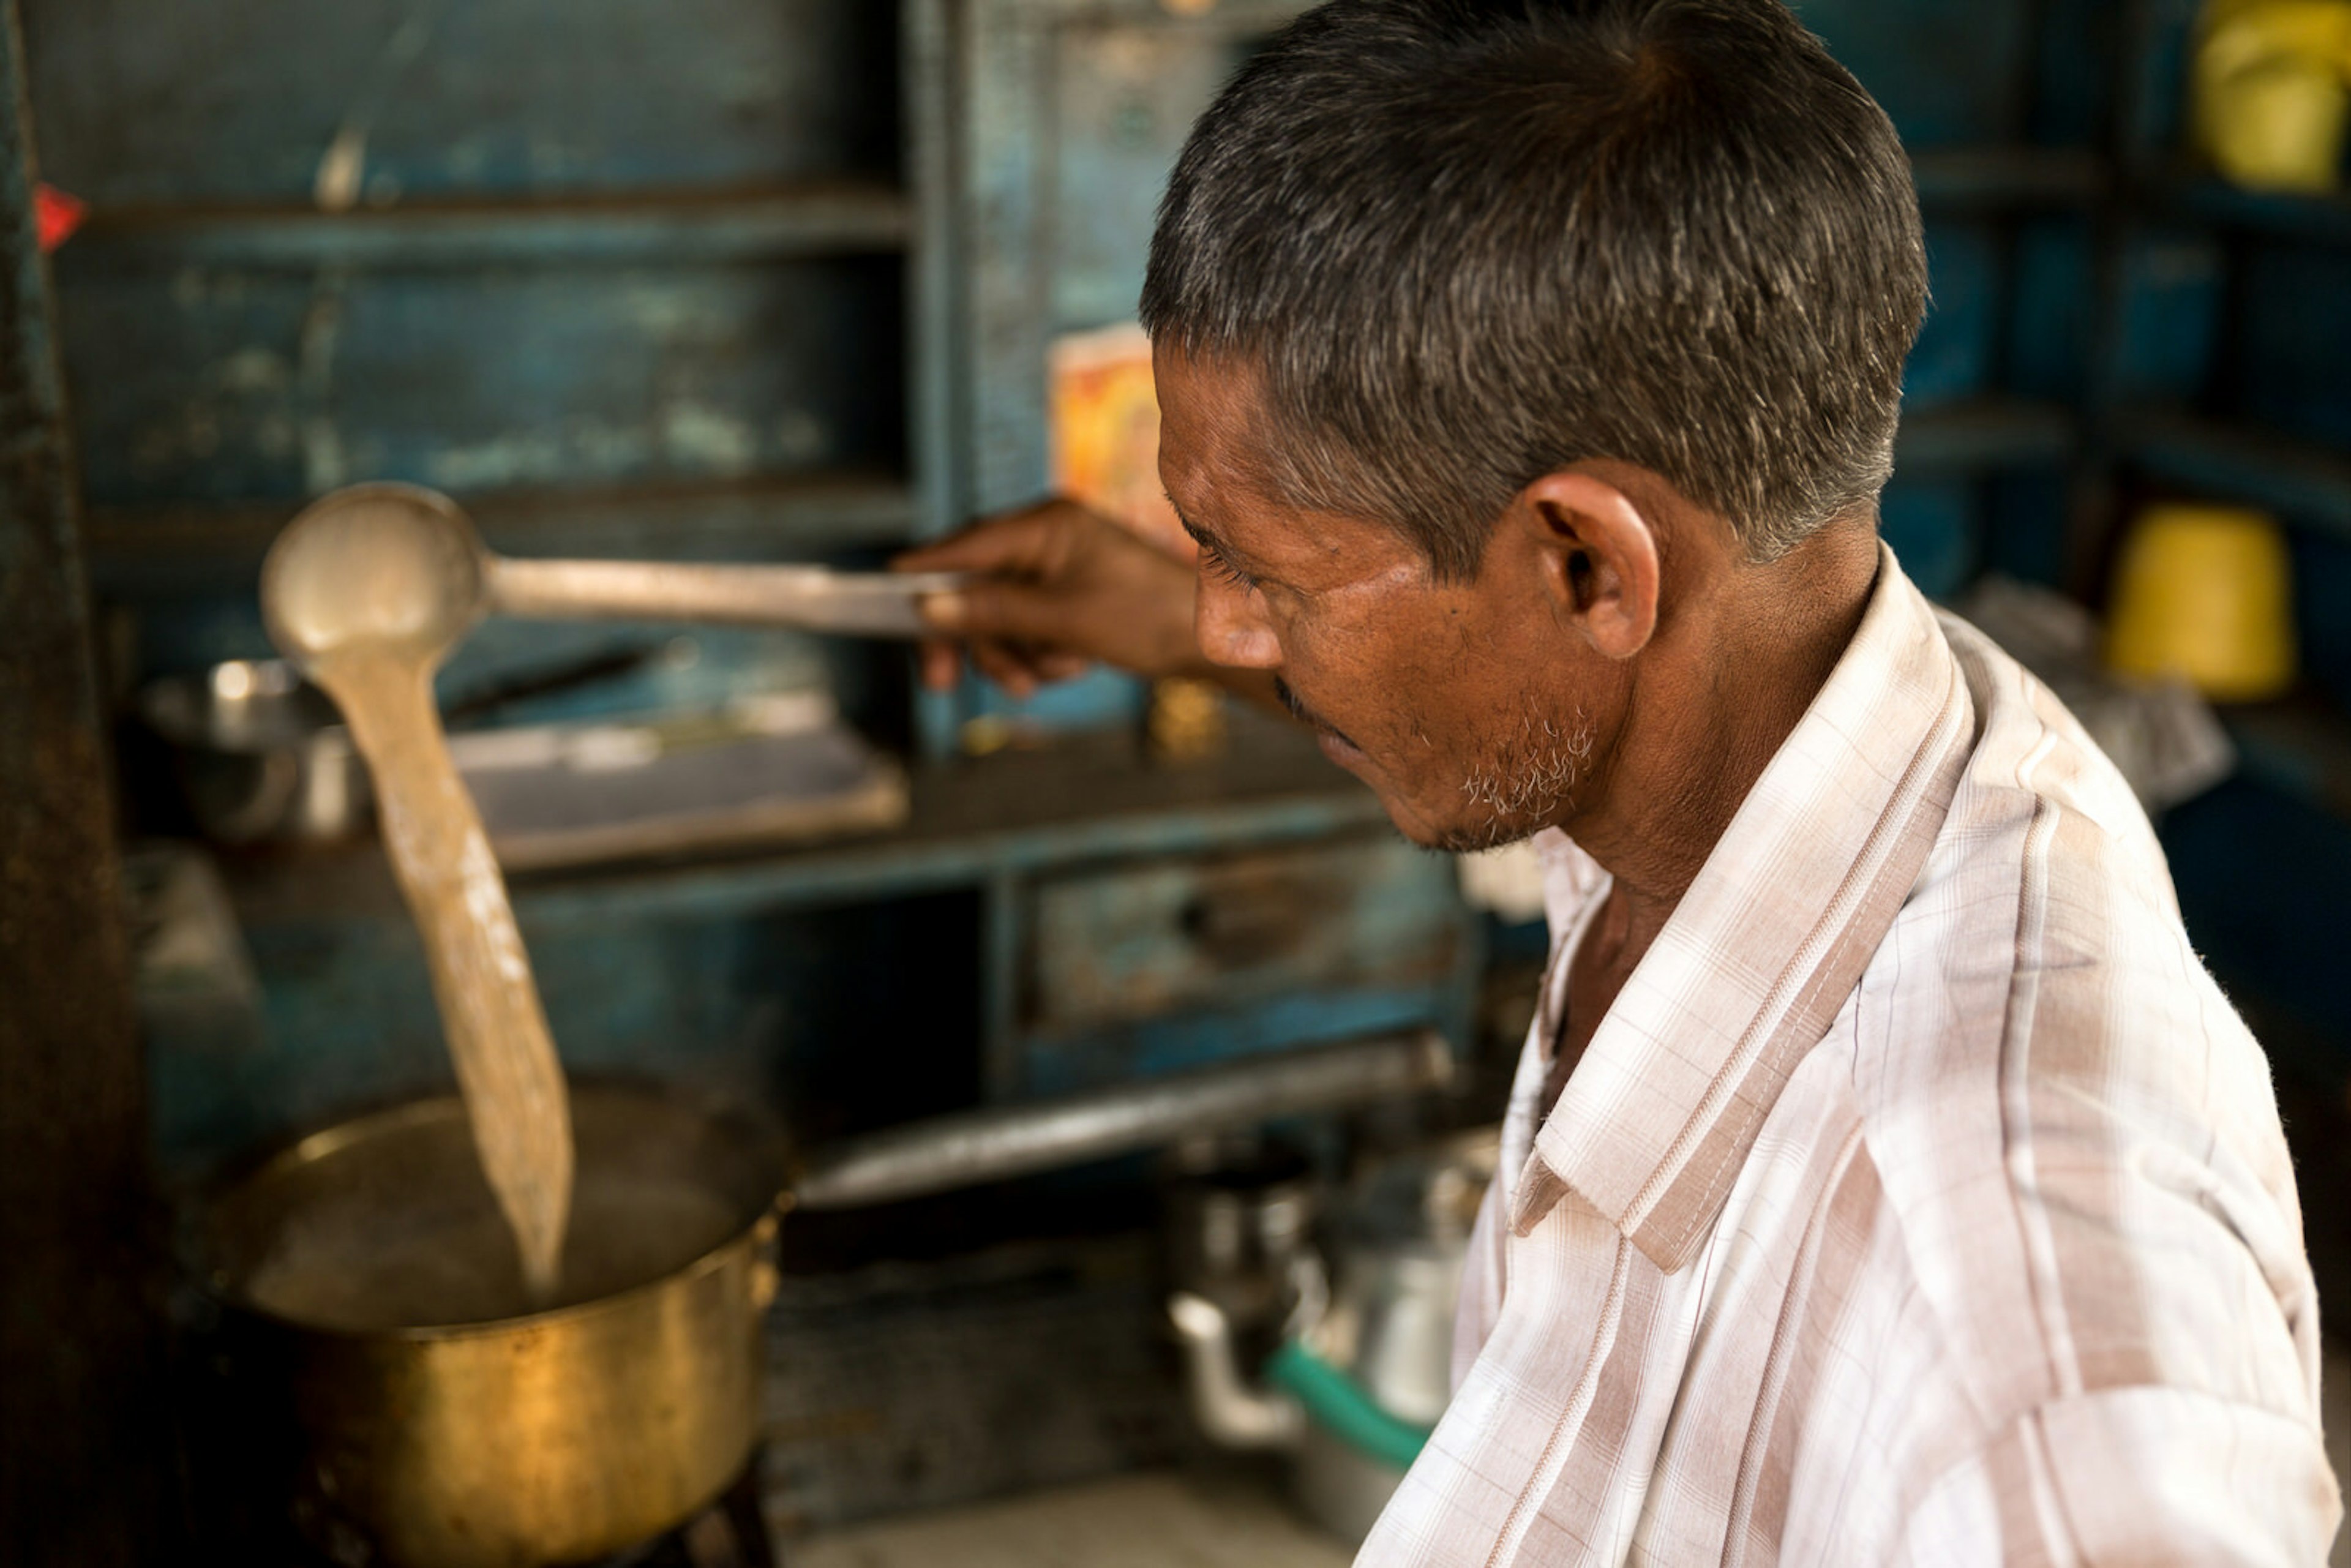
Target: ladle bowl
386 565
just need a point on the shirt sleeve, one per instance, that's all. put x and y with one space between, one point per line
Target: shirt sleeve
2149 1477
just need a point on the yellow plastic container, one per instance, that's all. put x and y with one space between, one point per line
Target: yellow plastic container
2205 593
2273 90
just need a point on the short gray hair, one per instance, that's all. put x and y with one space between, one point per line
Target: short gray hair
1467 243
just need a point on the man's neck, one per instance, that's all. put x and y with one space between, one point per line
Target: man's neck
1695 742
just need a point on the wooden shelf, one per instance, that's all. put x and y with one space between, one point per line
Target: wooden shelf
1991 176
816 219
2307 484
1988 433
2300 746
1084 798
170 552
2320 218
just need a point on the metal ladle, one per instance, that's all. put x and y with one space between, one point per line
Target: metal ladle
426 529
368 591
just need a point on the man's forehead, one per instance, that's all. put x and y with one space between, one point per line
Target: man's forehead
1216 454
1218 469
1210 423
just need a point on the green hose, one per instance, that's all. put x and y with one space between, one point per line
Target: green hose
1338 1404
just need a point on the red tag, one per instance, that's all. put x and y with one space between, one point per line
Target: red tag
55 215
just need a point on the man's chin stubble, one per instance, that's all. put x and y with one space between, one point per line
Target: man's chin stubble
1528 786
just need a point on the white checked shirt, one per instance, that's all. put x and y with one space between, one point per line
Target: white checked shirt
1920 1200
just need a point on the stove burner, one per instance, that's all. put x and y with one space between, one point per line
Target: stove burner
732 1532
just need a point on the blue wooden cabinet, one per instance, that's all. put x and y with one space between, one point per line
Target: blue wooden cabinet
723 279
777 280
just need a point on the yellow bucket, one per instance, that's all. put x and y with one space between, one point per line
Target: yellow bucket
2273 90
2205 593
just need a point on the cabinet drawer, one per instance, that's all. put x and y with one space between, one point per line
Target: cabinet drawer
1168 935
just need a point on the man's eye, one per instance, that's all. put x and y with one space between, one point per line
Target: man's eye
1216 564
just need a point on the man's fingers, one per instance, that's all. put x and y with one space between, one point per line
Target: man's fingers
994 607
1018 670
1005 667
990 546
941 661
942 613
1054 589
1022 544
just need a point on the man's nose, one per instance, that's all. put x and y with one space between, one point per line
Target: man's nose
1231 630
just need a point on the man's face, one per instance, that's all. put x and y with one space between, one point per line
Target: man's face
1461 704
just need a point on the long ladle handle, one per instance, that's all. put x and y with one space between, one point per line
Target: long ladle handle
969 1148
738 595
490 1010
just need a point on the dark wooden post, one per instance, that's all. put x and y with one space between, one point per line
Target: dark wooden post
83 1442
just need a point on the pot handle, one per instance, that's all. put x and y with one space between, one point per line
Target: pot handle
970 1148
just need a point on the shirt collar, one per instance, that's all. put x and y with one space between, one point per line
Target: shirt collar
1758 958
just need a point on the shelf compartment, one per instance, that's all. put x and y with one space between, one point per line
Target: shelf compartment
1991 432
1126 945
2013 176
2309 485
144 552
2321 218
2299 746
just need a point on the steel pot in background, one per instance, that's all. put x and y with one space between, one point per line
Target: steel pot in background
498 1438
261 756
1364 1373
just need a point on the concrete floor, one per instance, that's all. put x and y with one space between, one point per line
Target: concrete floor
1161 1520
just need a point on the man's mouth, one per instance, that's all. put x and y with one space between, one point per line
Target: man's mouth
1331 734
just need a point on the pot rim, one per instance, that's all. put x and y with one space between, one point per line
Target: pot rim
212 1280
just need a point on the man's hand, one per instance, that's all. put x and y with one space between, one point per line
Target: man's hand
1059 587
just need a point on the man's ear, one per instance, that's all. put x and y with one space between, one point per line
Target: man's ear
1597 554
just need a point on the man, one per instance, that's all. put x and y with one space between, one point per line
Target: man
1885 1180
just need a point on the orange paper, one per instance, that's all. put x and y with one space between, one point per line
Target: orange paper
1102 414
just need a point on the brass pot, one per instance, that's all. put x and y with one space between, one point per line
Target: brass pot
521 1437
